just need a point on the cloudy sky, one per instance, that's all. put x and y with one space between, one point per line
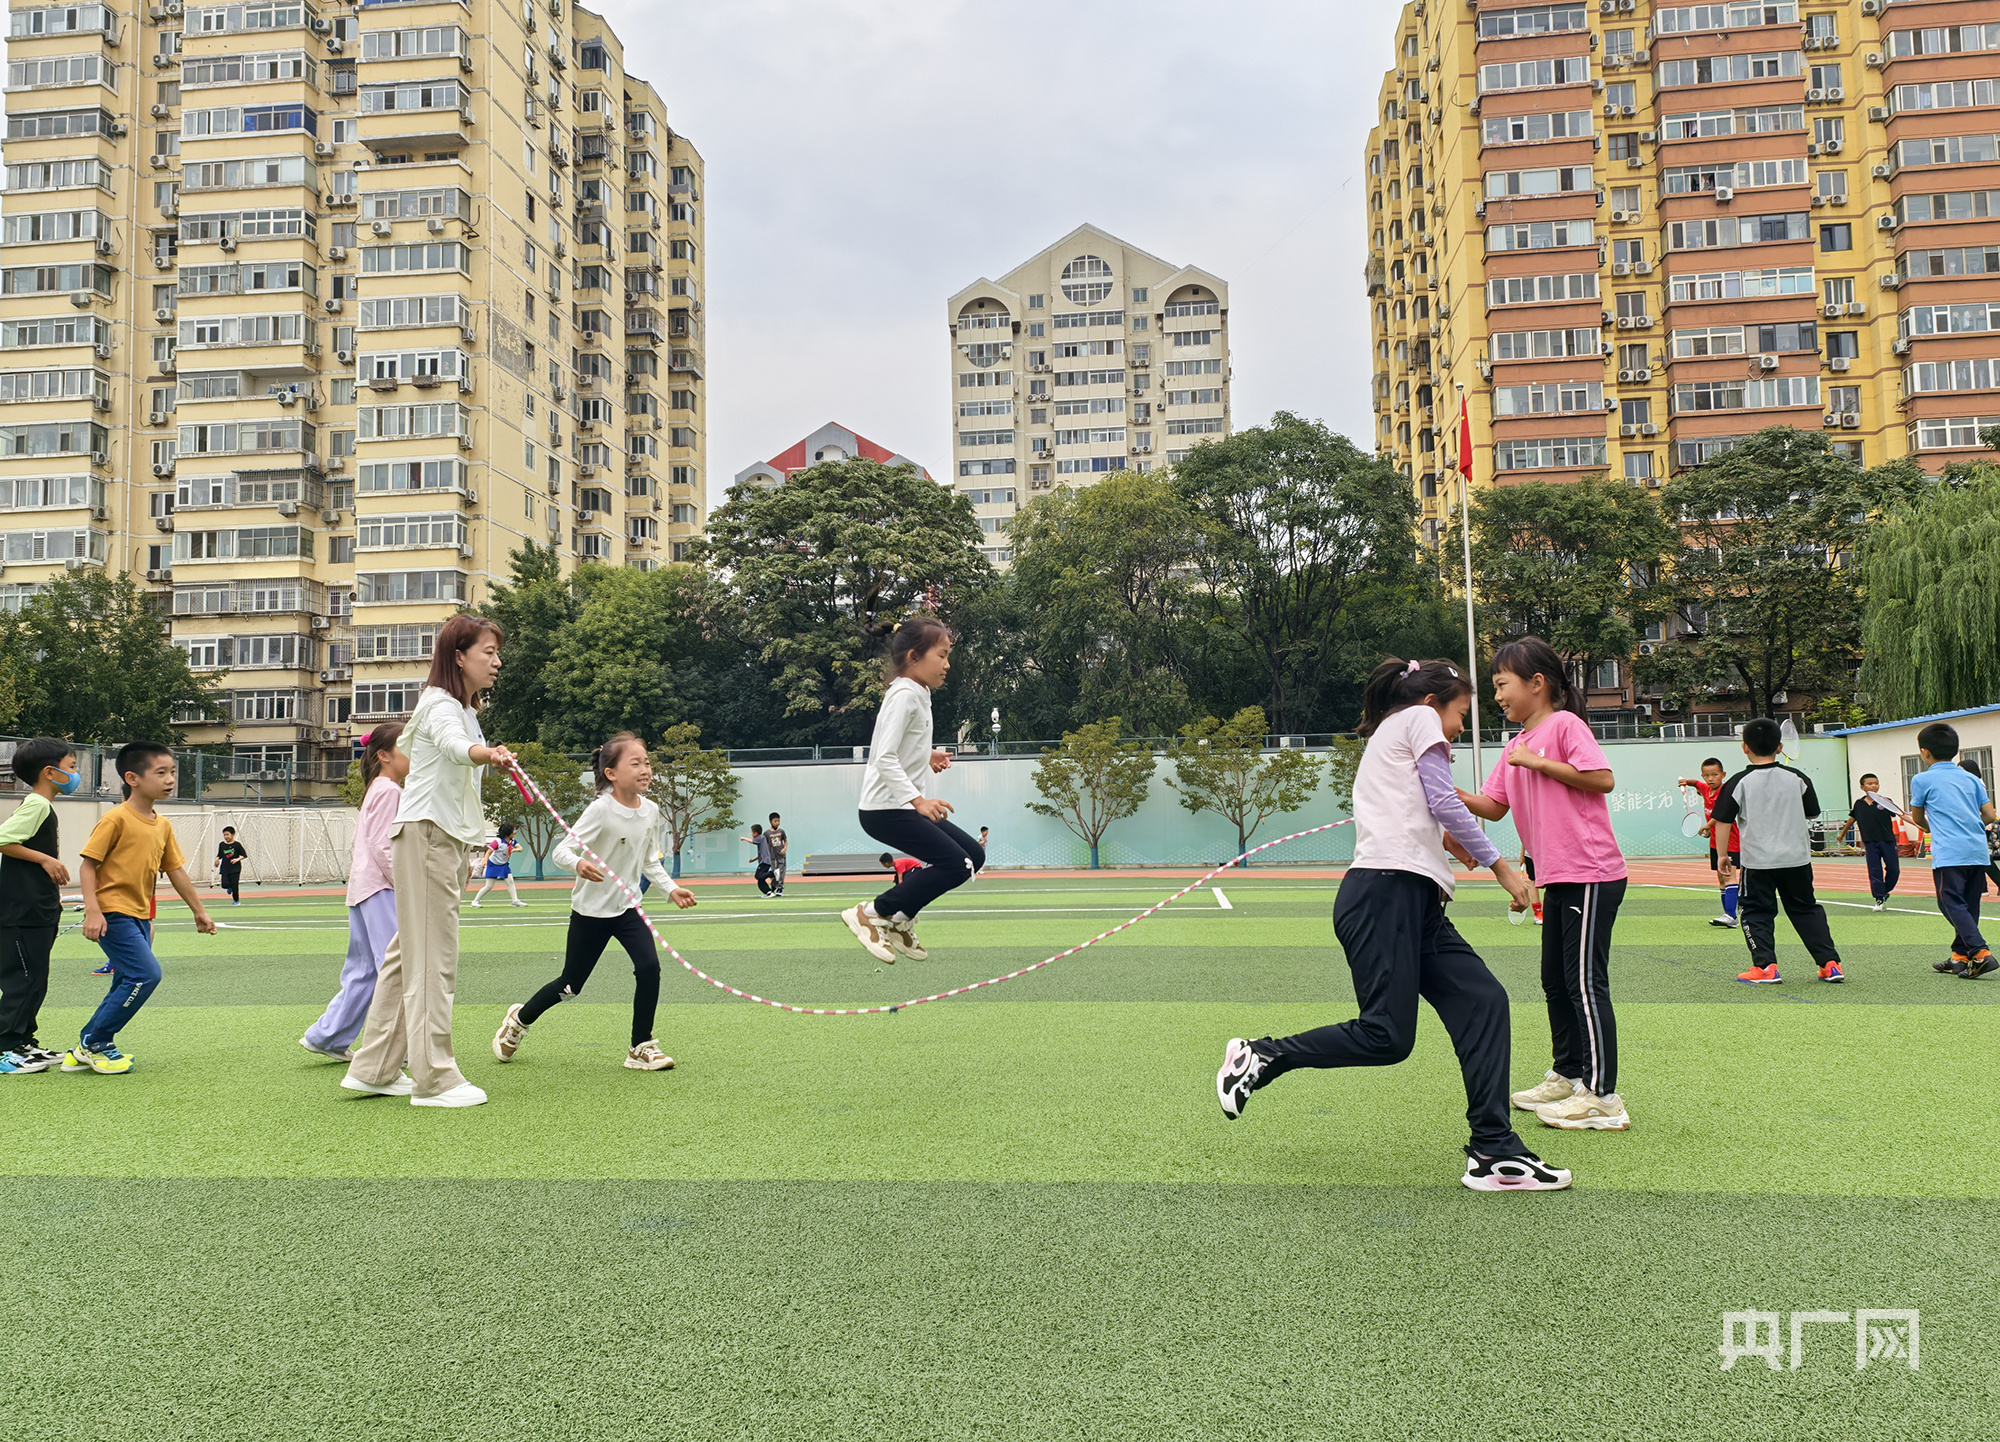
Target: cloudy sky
867 158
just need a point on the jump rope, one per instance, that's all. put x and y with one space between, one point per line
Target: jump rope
532 794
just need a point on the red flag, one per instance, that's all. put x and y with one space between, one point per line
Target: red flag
1464 440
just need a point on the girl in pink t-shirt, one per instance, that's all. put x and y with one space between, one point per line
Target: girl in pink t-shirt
371 897
1554 778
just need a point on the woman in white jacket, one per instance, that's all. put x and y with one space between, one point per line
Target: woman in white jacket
624 828
437 819
895 810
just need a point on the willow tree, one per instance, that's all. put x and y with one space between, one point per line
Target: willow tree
1931 635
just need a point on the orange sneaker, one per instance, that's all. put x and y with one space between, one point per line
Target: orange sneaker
1761 975
1832 972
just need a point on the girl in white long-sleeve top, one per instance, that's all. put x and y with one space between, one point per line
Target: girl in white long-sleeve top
624 828
895 810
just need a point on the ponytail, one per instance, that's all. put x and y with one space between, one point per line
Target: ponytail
1530 657
606 756
1396 684
915 637
381 740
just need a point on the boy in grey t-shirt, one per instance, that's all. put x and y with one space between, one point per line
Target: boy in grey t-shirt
1770 804
758 839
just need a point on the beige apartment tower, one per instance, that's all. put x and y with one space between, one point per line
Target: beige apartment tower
1092 357
1635 231
311 317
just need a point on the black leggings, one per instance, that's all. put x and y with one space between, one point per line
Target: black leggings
232 882
950 858
588 936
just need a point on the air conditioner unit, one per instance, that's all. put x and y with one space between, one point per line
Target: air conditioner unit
328 516
321 623
1812 149
288 398
159 162
1814 97
171 210
1839 363
1767 362
434 225
1889 282
379 227
585 518
163 313
166 366
323 148
465 551
159 111
1886 222
1873 60
1857 307
1830 420
1724 194
1619 217
158 574
1627 432
1628 111
1633 162
162 470
1625 377
336 463
1901 347
1598 86
1830 147
1624 322
1818 201
333 304
229 242
1642 57
288 508
344 357
115 129
465 443
336 253
161 62
1851 420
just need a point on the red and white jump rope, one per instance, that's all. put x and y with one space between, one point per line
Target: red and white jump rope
532 793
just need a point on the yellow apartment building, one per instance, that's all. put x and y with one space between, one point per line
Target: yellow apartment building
311 316
1093 356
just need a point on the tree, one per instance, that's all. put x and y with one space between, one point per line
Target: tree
87 659
1343 762
560 778
1092 780
1761 585
1931 633
532 614
695 788
1304 528
1220 766
823 568
1558 561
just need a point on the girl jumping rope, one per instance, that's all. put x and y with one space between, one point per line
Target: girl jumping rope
371 897
1390 918
500 865
1554 778
895 810
623 827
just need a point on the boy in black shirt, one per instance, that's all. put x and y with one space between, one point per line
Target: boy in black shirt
31 880
1875 817
229 859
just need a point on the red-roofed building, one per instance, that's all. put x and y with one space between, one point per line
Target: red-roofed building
831 442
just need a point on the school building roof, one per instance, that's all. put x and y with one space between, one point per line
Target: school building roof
1917 720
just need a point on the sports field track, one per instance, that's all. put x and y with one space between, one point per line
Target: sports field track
1017 1214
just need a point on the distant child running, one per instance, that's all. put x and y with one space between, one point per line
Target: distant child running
500 865
1723 859
122 863
758 839
894 807
901 865
1390 919
1554 777
623 827
229 859
780 844
371 898
1770 804
32 876
1874 816
1952 805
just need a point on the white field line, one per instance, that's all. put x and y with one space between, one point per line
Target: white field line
1221 900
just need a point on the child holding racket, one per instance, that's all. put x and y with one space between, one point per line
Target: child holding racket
1554 778
1723 856
623 827
1390 919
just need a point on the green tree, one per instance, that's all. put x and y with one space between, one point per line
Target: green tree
1304 530
1761 587
1221 766
560 778
1931 633
1559 561
532 613
88 659
826 565
354 791
1092 780
695 788
1343 761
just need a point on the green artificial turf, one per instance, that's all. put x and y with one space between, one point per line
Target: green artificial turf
1019 1214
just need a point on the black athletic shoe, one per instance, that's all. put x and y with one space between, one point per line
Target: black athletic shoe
1522 1172
1953 965
1980 965
1242 1071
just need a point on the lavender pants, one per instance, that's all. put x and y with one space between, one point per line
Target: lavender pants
371 926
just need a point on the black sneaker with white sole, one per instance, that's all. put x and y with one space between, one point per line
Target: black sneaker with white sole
1241 1074
1521 1172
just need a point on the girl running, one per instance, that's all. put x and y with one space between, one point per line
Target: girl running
1390 919
623 827
1554 778
371 897
895 810
437 818
500 865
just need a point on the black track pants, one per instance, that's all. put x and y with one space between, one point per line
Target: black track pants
950 858
1577 919
1792 886
588 936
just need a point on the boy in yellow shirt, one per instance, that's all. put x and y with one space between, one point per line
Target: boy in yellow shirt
122 861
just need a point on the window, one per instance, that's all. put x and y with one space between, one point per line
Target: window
1549 452
1618 42
1844 400
1842 345
1625 197
1832 185
1825 77
1638 466
1139 295
1623 94
1836 237
1086 280
1605 677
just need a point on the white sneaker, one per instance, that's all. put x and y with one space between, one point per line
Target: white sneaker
903 939
513 1031
647 1056
465 1094
517 903
1586 1112
473 904
1880 905
1552 1089
402 1086
870 933
346 1053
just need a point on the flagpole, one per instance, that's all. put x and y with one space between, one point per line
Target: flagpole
1465 535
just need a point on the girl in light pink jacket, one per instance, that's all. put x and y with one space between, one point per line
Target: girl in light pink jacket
371 897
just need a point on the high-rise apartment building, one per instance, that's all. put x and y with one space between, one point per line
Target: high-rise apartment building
1635 231
1091 357
311 317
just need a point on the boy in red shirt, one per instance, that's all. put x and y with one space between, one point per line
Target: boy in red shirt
1724 859
901 865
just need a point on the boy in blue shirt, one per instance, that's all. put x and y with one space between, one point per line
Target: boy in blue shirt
1952 805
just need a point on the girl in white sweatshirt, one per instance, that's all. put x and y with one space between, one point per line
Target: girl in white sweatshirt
895 810
623 827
